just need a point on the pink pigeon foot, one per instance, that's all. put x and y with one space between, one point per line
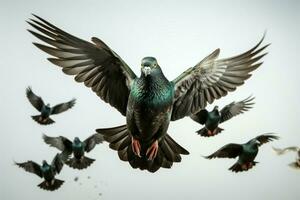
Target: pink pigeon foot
152 150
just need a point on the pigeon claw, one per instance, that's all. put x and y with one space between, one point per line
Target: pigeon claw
250 165
215 132
244 166
210 133
136 147
44 120
152 150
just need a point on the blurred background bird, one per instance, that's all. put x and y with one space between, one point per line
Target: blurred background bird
77 148
45 109
212 119
46 171
296 164
246 153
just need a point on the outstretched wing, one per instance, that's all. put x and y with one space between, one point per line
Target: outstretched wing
35 100
285 150
99 67
57 163
31 167
200 116
228 151
62 107
262 139
211 79
236 108
60 142
91 141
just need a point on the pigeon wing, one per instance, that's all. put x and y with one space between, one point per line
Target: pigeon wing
211 79
31 167
228 151
96 65
59 108
91 141
35 100
236 108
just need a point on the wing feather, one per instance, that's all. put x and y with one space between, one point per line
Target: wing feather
35 100
267 137
213 78
89 63
31 167
62 107
228 151
91 141
236 108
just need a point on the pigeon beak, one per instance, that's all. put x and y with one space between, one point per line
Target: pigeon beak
147 70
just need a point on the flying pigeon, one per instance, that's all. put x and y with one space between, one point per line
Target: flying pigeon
46 110
246 152
45 171
212 119
150 101
77 148
295 164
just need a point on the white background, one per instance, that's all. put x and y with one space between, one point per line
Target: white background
179 34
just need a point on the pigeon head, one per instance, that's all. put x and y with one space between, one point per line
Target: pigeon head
148 65
256 142
45 163
216 108
76 140
48 105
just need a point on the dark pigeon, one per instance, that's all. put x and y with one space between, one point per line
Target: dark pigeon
212 119
246 152
150 101
46 110
45 171
296 164
77 148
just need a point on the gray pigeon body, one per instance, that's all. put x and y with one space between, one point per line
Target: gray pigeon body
46 171
212 119
296 164
246 153
149 102
77 148
45 109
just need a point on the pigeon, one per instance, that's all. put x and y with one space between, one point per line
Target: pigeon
77 148
295 164
149 102
45 171
246 152
46 110
212 119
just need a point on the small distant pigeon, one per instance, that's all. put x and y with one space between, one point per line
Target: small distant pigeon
46 110
45 171
295 164
246 152
212 119
77 147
